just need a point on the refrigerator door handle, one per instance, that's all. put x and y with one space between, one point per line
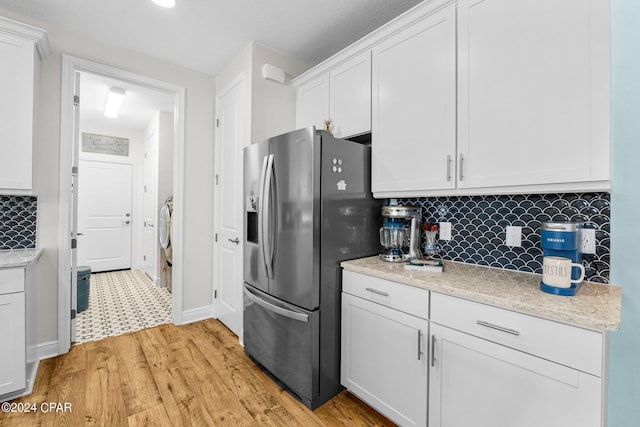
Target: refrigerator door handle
300 317
261 210
266 218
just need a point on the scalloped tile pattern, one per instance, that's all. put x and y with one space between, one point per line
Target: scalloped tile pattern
478 227
18 216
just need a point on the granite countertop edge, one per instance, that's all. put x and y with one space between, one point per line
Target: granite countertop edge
17 258
595 306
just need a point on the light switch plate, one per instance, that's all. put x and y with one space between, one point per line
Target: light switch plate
514 236
445 231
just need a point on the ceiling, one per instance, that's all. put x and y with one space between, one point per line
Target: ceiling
203 35
138 107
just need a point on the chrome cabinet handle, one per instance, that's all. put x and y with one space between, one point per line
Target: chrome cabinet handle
448 167
419 343
236 241
461 166
433 351
375 291
498 328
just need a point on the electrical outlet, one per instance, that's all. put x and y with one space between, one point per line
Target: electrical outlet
514 236
588 245
445 231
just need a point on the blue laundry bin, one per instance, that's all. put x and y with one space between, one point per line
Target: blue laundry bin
84 280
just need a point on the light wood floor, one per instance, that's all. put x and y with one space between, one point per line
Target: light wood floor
190 375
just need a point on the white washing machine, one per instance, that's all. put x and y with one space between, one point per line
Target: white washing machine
165 229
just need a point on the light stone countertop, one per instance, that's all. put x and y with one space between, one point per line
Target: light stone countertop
12 258
595 306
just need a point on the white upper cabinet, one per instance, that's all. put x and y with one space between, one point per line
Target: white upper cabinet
533 102
476 97
413 109
21 48
312 103
341 95
350 97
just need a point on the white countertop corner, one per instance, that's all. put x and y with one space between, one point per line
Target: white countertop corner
12 258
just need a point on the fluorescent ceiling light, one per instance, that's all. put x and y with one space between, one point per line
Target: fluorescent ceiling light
165 3
115 96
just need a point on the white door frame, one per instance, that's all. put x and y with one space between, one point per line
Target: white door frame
70 66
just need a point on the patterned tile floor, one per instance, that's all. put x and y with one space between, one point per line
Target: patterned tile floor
121 302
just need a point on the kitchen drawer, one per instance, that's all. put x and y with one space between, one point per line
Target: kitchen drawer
11 280
409 299
572 346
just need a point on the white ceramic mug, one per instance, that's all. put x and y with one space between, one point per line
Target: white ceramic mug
556 271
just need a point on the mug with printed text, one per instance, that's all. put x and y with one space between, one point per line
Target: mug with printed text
556 271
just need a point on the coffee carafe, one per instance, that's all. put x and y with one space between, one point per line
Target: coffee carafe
400 233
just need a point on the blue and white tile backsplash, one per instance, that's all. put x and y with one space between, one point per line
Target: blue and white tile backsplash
478 227
18 216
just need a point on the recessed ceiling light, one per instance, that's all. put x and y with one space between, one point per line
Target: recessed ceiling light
165 3
115 96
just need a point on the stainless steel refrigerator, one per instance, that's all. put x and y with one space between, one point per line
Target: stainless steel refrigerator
308 206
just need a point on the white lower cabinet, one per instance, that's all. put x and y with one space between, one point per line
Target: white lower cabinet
12 350
426 359
490 372
384 349
18 347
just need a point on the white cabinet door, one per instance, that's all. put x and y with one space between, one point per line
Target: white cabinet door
16 112
312 103
413 107
350 97
474 382
384 359
12 347
533 81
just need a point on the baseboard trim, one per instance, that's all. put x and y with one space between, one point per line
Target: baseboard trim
47 350
195 314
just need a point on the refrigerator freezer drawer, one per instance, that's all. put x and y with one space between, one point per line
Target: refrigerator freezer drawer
284 339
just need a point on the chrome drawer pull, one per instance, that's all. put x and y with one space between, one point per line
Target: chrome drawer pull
498 328
433 351
419 343
375 291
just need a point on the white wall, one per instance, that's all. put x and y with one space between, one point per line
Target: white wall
273 105
241 63
270 107
198 188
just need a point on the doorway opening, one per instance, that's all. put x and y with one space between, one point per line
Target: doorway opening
125 174
93 151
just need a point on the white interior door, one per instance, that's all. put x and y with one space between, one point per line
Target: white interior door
150 234
227 275
104 215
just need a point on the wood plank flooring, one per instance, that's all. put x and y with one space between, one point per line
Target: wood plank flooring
189 375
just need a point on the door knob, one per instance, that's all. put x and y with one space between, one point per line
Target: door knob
236 241
126 222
